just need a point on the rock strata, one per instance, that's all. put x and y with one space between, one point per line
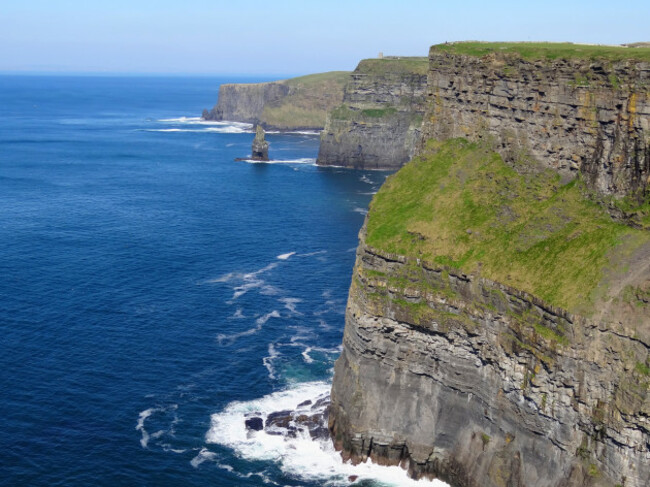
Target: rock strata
260 149
378 124
452 376
574 115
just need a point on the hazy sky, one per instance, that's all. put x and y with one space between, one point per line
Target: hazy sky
284 37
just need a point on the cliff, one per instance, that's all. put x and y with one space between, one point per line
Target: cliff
378 124
576 109
296 103
497 328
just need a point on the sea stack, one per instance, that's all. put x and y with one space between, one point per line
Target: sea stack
260 149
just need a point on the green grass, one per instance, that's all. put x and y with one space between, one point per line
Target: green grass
309 101
338 77
546 50
461 206
414 65
378 112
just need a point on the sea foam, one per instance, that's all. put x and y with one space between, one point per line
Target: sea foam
311 460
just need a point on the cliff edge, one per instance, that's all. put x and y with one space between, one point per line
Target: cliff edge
292 104
497 329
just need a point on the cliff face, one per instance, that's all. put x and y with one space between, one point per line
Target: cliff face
574 115
497 329
246 102
458 377
378 124
296 103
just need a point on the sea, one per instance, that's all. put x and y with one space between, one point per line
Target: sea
155 294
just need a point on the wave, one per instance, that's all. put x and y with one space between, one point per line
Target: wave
285 256
201 121
290 304
268 361
302 160
297 454
144 415
259 323
228 129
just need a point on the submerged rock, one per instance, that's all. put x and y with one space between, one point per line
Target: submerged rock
260 146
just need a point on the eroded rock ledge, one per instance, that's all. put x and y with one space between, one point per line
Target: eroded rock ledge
458 377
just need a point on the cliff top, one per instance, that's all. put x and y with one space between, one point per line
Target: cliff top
415 65
533 51
460 205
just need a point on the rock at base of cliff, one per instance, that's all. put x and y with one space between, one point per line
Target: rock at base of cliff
260 150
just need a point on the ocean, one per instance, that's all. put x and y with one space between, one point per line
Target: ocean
155 294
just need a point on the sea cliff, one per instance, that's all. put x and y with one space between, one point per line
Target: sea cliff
498 323
292 104
377 126
495 335
576 109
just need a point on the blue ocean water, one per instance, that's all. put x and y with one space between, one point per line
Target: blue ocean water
153 291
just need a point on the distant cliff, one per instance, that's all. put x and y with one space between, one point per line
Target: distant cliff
378 124
498 324
296 103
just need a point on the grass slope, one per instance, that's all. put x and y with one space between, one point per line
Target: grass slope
461 206
387 65
310 99
547 50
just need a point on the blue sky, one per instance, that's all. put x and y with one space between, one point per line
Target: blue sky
283 37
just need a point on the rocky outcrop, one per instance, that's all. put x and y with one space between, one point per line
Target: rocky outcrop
260 148
292 104
378 124
457 377
574 115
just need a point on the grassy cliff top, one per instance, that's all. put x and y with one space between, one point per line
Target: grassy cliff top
336 77
546 50
461 206
310 98
403 65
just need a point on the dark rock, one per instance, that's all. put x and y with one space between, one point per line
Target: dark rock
260 149
279 419
255 424
304 403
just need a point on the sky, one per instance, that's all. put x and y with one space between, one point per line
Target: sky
253 37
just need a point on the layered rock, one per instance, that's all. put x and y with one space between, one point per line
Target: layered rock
378 124
292 104
458 377
260 147
573 114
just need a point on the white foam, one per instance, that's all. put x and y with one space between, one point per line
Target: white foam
306 357
290 304
285 256
268 361
310 254
144 440
313 461
365 179
201 121
259 323
142 417
203 456
302 160
363 211
250 280
227 129
238 315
